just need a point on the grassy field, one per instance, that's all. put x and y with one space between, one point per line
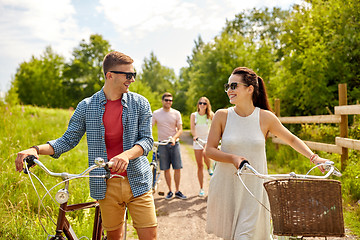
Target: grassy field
24 126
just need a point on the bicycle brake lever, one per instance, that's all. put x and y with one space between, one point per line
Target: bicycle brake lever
108 173
327 168
30 162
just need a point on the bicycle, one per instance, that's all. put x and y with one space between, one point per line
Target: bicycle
200 142
62 196
155 165
318 215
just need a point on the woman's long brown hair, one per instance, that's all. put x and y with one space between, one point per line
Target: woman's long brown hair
208 106
249 77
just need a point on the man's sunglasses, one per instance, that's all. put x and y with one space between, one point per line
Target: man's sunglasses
129 75
233 85
203 103
168 100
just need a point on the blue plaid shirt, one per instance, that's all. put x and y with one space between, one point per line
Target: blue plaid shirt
136 118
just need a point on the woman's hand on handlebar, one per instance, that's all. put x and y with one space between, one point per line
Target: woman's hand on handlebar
237 161
19 161
320 160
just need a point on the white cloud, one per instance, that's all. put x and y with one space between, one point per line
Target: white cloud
137 18
27 26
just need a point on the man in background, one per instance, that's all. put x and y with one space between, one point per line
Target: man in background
169 124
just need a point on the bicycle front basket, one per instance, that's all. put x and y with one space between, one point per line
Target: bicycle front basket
306 207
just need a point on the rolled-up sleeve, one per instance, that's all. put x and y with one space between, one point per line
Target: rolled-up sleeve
73 134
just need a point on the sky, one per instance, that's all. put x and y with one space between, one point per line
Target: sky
136 27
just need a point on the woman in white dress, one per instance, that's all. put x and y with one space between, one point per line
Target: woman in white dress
231 212
200 122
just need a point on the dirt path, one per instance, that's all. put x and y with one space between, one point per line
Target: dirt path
185 219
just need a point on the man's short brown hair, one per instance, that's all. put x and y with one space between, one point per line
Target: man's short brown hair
115 58
167 94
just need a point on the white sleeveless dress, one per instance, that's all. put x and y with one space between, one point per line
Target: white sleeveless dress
232 213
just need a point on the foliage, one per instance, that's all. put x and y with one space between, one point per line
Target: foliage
159 78
49 81
319 132
39 81
143 89
251 40
83 76
302 55
321 49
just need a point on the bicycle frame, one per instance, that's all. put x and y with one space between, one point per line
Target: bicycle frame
63 225
155 164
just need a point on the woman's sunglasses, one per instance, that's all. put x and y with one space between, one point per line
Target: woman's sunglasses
233 85
129 75
203 103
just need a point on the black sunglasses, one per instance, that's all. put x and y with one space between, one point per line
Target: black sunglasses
233 85
129 75
202 103
168 100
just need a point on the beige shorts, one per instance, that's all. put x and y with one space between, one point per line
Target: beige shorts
118 195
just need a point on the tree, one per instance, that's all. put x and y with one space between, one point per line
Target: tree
250 40
159 78
39 81
83 76
321 45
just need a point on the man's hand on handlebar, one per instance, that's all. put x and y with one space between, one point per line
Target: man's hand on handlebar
120 162
19 161
172 140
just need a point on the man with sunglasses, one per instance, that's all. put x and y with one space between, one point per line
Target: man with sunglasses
169 124
117 124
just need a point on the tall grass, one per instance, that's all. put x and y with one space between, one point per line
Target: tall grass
20 128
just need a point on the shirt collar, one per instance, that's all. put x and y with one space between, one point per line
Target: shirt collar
102 98
124 99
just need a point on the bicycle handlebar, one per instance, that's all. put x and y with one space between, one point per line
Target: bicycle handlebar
328 165
200 142
165 142
31 160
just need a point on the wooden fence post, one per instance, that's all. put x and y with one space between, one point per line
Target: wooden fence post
342 89
277 107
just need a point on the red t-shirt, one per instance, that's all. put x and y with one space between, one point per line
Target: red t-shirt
112 120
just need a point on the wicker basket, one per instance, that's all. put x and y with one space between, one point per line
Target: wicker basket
306 207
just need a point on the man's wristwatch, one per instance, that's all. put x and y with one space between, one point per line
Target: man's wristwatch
36 148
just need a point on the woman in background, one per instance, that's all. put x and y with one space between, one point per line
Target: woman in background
200 122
